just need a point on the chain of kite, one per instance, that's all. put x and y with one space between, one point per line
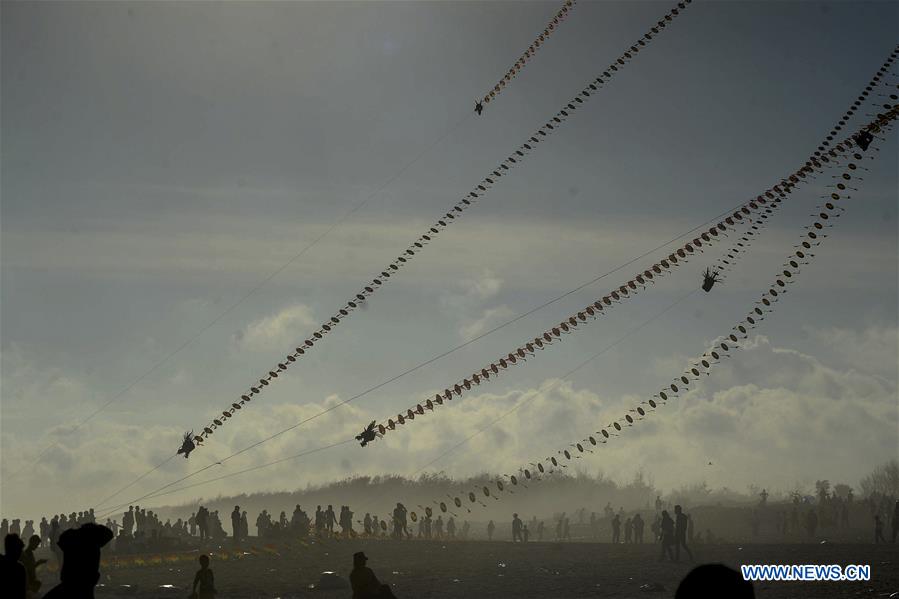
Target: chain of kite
532 49
468 201
758 211
811 238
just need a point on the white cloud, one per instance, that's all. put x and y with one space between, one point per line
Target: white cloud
874 349
472 292
278 330
768 405
483 287
488 318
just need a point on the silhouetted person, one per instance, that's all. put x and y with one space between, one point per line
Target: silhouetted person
330 519
638 529
616 529
319 520
490 528
399 521
763 498
81 561
235 523
525 534
31 564
366 523
364 582
516 528
244 525
667 536
55 531
680 533
202 522
451 528
714 580
261 522
566 529
128 520
878 530
13 578
205 580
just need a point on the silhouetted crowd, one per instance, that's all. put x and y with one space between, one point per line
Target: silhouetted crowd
75 539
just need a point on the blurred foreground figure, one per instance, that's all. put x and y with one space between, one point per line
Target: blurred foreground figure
31 564
714 580
204 581
81 561
364 582
12 572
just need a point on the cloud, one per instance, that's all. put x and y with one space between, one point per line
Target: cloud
767 405
472 292
874 349
488 318
278 330
483 287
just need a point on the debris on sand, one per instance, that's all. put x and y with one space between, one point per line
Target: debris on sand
652 587
330 581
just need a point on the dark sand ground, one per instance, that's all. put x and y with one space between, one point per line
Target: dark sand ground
425 569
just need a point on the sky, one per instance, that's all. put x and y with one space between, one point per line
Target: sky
159 161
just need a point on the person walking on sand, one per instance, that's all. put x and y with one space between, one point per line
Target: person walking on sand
680 533
516 528
667 528
638 529
205 580
490 528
